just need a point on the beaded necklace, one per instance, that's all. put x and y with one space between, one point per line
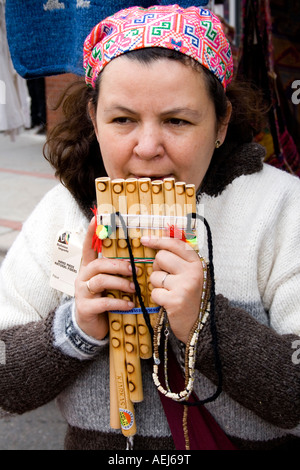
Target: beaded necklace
190 354
190 351
207 310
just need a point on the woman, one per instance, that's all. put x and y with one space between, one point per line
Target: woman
162 109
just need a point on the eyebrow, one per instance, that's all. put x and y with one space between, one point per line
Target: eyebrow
170 112
121 109
182 111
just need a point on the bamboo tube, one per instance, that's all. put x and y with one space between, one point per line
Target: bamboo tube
113 394
192 209
157 206
104 206
191 198
170 203
133 202
180 198
185 196
129 324
122 411
158 210
145 193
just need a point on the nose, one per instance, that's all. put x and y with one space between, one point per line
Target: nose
149 143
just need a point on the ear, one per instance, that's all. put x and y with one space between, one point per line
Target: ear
222 130
92 114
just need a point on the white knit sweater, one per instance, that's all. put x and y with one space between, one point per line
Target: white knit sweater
255 226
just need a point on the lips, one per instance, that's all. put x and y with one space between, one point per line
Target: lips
153 177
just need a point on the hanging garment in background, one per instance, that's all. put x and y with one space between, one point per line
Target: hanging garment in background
15 100
256 63
46 36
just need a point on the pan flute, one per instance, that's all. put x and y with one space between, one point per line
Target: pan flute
126 210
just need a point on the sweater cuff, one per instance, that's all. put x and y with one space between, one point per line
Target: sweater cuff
70 339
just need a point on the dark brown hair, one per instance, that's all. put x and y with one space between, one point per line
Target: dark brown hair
72 147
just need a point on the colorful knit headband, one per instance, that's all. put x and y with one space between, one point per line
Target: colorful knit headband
193 31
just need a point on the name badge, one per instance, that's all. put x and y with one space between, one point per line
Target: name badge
66 261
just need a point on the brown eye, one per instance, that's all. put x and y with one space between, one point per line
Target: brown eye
178 122
122 120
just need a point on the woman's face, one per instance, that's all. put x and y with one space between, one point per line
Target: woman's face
155 120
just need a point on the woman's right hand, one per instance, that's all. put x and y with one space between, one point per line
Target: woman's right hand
101 274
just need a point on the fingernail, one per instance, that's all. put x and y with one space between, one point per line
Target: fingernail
132 286
145 240
131 304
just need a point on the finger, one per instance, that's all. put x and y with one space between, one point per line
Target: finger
88 254
107 265
176 246
104 282
162 297
169 262
162 280
104 304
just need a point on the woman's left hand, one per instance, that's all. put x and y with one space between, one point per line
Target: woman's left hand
177 281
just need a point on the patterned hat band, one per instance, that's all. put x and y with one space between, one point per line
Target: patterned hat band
195 32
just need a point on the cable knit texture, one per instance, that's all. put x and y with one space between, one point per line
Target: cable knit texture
255 222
